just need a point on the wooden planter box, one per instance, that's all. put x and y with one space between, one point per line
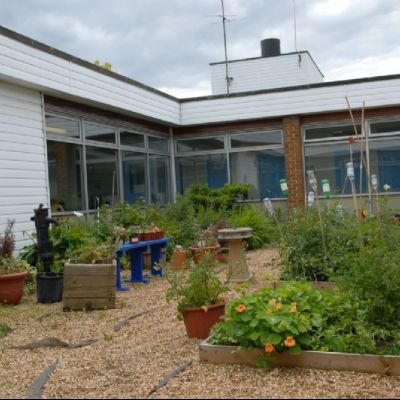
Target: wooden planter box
89 286
389 365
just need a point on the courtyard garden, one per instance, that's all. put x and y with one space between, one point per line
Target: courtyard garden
322 279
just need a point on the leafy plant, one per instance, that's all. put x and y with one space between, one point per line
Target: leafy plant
92 252
264 228
198 287
7 240
286 319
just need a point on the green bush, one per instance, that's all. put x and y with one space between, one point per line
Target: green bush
264 227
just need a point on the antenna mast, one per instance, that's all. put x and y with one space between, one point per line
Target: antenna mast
227 78
295 27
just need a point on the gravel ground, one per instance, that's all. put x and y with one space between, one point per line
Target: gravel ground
131 362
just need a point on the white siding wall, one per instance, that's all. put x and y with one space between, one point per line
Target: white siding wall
265 73
29 66
381 93
23 182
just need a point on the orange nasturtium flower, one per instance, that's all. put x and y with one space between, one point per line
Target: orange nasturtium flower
289 341
269 348
272 302
277 306
293 307
240 308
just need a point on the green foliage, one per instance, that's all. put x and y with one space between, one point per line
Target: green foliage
222 198
264 227
198 287
70 235
288 319
179 222
92 252
301 245
13 265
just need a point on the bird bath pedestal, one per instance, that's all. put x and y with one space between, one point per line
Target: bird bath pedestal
238 270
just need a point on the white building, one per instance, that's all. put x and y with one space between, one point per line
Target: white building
66 125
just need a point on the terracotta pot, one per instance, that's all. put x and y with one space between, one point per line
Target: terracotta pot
147 236
221 257
197 252
12 288
178 259
198 322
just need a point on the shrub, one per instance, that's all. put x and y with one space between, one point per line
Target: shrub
264 228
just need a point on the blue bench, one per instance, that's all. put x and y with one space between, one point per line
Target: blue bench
136 251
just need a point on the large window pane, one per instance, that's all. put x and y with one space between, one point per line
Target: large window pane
200 144
160 189
384 156
131 139
101 164
329 162
100 133
329 132
159 144
265 138
262 169
133 169
208 169
65 176
62 127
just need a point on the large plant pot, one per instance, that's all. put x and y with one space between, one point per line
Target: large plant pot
198 322
198 252
178 259
89 287
12 288
49 288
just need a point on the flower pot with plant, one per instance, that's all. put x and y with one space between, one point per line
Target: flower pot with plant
179 258
198 293
13 271
89 277
206 243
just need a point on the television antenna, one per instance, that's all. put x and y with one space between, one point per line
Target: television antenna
228 79
295 25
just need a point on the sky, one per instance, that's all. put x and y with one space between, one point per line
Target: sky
168 44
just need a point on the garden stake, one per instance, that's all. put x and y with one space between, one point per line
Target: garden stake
112 251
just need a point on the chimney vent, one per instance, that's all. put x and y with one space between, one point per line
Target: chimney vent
270 47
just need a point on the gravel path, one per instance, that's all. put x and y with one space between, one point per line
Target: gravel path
130 362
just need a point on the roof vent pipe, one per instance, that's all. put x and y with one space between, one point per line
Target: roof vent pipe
270 47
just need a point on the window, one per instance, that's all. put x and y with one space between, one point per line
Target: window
62 127
134 175
265 138
158 144
200 144
261 169
65 176
331 132
101 165
99 133
128 138
210 169
384 158
329 162
160 177
385 127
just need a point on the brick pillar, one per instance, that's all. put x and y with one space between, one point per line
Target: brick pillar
294 161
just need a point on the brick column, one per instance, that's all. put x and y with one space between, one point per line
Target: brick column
294 161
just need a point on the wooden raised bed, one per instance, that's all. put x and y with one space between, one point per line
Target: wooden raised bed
89 286
389 365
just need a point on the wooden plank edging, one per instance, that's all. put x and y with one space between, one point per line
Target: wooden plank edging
377 364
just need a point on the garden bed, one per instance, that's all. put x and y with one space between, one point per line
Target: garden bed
218 354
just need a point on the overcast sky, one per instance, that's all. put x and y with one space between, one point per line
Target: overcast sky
168 44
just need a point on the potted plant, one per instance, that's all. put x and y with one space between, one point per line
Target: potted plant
90 277
206 243
13 271
198 294
179 258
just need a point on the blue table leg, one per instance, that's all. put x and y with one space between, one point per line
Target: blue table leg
118 283
155 259
137 266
